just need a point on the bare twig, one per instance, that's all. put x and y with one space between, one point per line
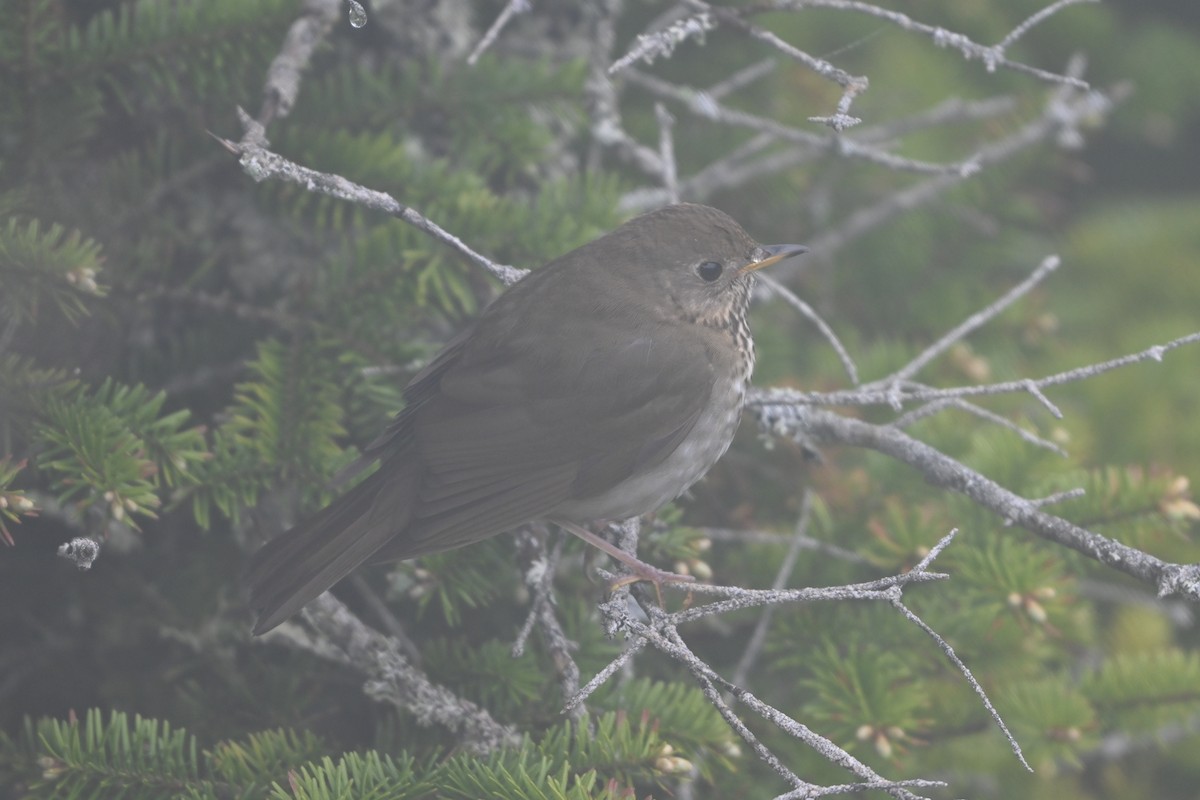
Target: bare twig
601 677
664 635
852 85
704 105
929 409
966 672
748 161
260 164
303 38
867 396
662 43
736 598
1035 19
976 320
665 638
742 78
759 637
805 542
810 313
538 567
511 9
666 150
1066 110
1058 497
992 57
603 106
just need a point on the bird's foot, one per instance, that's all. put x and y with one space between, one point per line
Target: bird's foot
640 570
653 575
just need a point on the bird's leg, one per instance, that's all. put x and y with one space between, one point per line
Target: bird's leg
640 569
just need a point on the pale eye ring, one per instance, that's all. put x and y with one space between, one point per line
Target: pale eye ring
709 271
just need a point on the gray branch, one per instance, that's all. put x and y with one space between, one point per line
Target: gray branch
511 9
261 164
303 38
992 56
976 320
897 396
942 470
538 566
391 677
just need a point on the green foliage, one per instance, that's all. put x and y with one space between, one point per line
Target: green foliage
52 266
115 447
112 756
1140 692
671 542
262 756
1052 719
13 502
362 777
523 776
287 414
247 341
458 580
680 714
119 755
489 675
864 695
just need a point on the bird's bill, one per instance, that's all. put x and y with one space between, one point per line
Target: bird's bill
774 253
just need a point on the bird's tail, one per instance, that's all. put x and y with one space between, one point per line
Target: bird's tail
299 564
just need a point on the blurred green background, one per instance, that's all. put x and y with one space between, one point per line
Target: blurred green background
264 314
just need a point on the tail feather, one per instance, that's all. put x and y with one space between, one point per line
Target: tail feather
298 565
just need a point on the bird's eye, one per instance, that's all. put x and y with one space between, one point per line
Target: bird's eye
710 270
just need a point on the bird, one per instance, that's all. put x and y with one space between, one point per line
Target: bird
598 387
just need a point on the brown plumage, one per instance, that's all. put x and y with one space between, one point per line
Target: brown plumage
600 386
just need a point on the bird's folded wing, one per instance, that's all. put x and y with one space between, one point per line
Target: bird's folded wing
505 435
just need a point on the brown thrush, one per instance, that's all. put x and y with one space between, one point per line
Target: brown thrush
598 387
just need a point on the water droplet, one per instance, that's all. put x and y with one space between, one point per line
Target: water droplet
358 14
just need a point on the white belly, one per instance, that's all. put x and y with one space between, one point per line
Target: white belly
650 490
